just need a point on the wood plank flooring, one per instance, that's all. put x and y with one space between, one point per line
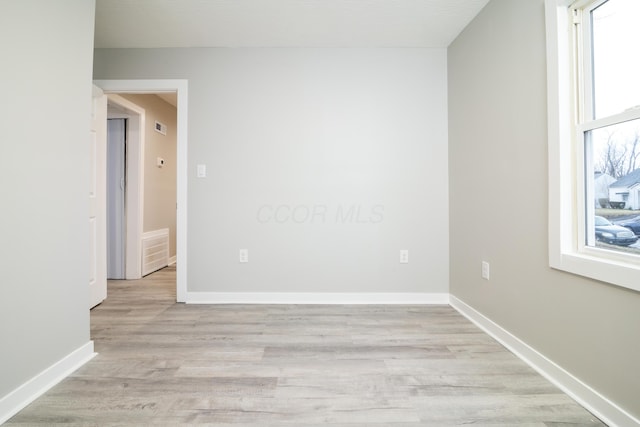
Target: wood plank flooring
162 363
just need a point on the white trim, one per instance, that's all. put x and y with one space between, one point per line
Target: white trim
19 398
315 298
561 189
134 206
181 87
590 399
625 116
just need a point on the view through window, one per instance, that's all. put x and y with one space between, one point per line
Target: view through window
610 125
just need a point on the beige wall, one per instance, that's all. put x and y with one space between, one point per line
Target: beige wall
498 205
159 183
44 170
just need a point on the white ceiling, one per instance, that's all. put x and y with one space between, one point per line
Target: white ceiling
281 23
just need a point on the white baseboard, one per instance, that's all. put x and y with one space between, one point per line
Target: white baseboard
594 402
315 298
19 398
172 260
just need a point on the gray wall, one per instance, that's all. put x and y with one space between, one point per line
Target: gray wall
498 205
46 67
324 163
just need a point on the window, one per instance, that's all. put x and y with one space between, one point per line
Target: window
594 138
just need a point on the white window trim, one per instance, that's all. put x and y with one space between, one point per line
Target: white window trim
565 192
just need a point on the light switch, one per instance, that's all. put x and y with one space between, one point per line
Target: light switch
486 270
202 171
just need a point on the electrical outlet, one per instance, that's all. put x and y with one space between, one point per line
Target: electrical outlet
243 255
485 270
404 256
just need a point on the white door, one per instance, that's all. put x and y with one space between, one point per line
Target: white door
116 144
98 199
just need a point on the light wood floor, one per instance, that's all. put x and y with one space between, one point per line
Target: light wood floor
162 363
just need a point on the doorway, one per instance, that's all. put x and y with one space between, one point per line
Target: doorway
180 87
125 135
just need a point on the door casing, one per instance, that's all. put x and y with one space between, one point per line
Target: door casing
97 280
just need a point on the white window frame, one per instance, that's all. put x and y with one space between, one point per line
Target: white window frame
565 87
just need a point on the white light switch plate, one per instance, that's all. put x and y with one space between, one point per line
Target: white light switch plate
202 171
486 270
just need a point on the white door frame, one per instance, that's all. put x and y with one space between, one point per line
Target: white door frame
134 206
181 87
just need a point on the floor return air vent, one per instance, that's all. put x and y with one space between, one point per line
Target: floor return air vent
155 250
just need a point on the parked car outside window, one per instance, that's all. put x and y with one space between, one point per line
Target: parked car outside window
632 224
613 234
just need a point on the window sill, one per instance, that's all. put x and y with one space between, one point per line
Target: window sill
614 271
